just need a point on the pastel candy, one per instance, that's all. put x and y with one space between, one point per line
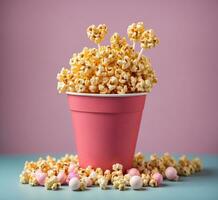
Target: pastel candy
136 182
70 176
62 177
158 177
74 183
133 172
171 174
40 177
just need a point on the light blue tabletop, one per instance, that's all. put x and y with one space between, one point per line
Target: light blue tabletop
203 185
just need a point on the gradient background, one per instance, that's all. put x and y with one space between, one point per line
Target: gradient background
37 38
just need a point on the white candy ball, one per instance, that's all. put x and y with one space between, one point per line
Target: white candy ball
136 182
74 183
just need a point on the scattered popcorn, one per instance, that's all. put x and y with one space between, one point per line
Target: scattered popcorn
24 177
83 184
153 182
93 175
115 175
107 174
111 69
52 183
119 183
136 182
103 182
145 179
32 180
127 179
88 181
53 173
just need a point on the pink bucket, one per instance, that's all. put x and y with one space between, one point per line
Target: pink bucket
106 127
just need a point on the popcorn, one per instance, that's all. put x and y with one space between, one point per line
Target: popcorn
116 174
83 184
153 182
97 34
117 167
107 174
126 178
119 183
32 180
197 164
99 171
103 182
148 39
117 42
87 180
145 179
93 175
93 70
135 31
52 183
24 177
52 173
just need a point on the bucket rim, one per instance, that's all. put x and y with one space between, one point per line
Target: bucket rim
106 95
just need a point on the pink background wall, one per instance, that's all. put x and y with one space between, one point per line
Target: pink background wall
38 37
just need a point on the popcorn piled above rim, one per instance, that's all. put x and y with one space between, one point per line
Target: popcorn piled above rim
111 69
53 173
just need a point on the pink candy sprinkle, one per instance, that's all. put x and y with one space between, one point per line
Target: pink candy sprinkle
133 172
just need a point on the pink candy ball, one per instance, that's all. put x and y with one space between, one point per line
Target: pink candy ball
62 177
171 174
70 176
158 177
133 172
40 177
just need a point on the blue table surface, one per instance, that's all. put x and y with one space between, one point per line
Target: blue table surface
203 185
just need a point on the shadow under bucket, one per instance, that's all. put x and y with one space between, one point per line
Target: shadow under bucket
106 127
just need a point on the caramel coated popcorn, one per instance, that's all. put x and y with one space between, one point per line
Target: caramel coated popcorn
111 69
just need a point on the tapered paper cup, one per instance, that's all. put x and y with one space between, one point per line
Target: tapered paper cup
106 127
